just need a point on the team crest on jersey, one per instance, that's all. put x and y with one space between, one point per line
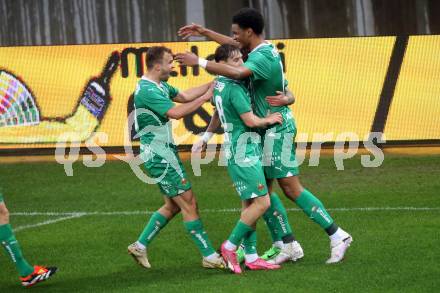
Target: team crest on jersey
260 186
184 181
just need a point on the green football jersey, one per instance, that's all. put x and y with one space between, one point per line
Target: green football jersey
151 103
232 99
267 77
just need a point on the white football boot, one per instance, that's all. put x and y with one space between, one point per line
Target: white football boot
290 251
339 245
139 255
216 262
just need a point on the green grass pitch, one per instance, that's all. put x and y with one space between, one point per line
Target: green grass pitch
395 248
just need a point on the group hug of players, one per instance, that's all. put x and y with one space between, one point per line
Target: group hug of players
251 102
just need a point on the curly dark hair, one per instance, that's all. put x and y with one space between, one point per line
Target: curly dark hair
249 18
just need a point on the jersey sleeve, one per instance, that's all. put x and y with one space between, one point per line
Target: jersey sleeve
240 100
153 100
172 90
259 65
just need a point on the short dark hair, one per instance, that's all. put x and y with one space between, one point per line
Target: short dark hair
249 18
223 52
155 55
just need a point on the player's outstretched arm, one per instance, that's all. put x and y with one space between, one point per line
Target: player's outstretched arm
180 111
200 145
192 93
281 99
253 121
196 30
234 72
214 123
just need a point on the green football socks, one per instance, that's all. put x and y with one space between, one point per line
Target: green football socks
314 209
276 219
250 242
239 232
199 237
8 241
155 224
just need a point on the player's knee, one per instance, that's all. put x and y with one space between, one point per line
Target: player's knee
189 207
296 192
4 214
193 205
172 209
292 191
263 203
189 212
266 202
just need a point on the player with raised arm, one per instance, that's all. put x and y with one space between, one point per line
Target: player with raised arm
276 215
284 245
29 275
233 109
265 70
153 103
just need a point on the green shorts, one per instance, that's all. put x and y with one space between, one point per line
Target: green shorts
166 167
249 181
279 161
1 197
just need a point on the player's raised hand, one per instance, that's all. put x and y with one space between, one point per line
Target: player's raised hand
279 100
274 118
199 146
210 90
208 94
191 30
187 58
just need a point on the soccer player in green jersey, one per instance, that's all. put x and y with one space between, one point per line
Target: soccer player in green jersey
285 247
276 221
233 108
153 101
265 70
29 275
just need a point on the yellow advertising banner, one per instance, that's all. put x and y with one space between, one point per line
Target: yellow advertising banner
415 110
337 84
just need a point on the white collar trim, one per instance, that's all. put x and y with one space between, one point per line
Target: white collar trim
264 43
147 79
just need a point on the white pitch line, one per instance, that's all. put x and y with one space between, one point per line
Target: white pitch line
48 222
68 215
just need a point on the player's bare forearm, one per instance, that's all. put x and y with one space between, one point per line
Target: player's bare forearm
281 99
214 123
253 121
180 111
234 72
192 93
219 38
194 30
290 97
